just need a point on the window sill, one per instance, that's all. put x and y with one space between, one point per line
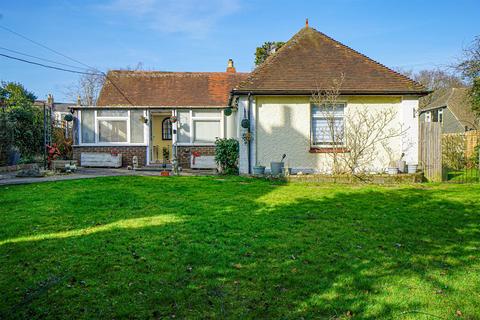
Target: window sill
328 150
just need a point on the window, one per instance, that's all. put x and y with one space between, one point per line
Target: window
166 129
112 126
201 126
137 124
112 131
428 116
88 126
440 115
328 124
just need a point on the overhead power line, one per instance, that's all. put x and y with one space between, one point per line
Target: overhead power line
39 58
65 56
46 66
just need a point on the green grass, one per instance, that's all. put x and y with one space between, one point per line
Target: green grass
468 175
236 248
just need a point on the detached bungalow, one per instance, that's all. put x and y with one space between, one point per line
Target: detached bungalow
158 116
277 100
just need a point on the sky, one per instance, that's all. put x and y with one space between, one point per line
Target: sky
201 35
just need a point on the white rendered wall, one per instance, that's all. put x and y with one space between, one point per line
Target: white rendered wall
284 124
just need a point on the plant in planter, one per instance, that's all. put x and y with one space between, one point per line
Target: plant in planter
166 156
246 137
245 123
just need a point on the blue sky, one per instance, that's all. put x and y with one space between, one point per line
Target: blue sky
201 35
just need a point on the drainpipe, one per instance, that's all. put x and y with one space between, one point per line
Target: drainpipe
248 130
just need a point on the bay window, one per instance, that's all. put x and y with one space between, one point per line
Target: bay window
327 124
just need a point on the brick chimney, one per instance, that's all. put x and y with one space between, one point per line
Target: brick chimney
230 67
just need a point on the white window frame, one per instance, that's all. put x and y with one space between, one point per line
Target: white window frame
428 116
192 119
97 120
312 134
440 116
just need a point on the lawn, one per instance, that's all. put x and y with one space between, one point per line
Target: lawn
236 248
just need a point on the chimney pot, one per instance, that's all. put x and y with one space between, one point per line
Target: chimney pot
306 23
230 66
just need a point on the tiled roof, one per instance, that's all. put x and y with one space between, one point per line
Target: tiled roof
311 61
157 88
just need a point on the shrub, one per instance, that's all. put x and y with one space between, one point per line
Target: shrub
226 155
63 143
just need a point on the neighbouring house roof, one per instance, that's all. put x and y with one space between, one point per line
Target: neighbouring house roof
311 61
457 100
175 89
57 106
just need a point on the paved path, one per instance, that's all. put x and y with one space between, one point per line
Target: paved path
83 173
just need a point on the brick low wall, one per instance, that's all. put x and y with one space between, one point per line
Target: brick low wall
184 154
127 153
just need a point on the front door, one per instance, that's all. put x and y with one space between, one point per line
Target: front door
161 138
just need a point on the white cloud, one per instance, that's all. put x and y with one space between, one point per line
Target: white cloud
194 17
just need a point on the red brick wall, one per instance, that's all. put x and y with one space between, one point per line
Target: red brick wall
184 154
127 153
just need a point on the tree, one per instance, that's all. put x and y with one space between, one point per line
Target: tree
469 67
264 51
87 88
354 143
25 122
436 80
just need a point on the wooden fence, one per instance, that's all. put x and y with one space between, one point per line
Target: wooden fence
430 150
472 140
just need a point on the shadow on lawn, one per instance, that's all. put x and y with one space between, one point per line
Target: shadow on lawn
246 255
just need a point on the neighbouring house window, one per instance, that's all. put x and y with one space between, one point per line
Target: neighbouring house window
428 116
440 115
328 125
201 126
166 129
112 126
88 126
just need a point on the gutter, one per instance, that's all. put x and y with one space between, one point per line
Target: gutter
344 92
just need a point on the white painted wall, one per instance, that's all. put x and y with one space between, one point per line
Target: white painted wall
243 150
283 126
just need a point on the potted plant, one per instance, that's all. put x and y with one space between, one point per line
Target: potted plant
166 156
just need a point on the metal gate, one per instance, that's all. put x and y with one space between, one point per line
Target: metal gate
460 157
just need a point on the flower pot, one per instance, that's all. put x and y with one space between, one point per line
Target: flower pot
402 166
164 173
276 168
412 168
258 170
392 170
